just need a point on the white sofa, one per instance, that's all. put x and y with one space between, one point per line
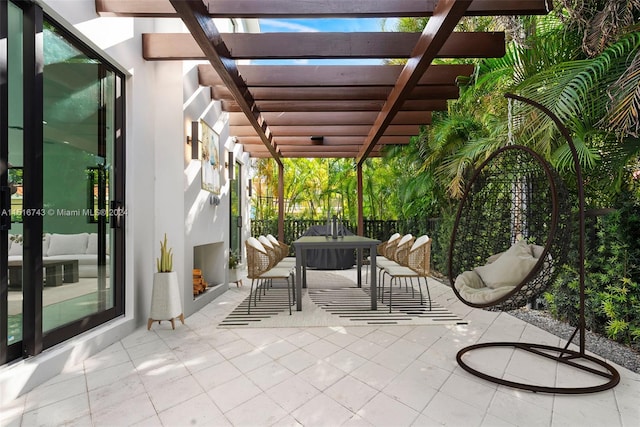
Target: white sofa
81 246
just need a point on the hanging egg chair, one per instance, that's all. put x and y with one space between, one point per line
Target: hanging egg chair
511 231
510 238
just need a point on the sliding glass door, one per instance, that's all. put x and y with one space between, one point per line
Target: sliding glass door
62 242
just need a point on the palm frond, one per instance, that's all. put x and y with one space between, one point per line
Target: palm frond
624 112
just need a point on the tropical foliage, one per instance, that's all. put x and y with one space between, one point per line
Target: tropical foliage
582 62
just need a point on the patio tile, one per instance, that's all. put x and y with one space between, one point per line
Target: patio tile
181 390
375 375
197 410
232 393
351 393
354 376
292 393
322 375
111 356
345 360
116 392
383 410
476 393
381 338
341 337
411 391
196 362
11 413
515 406
53 393
398 356
366 349
130 411
72 410
451 411
259 411
302 338
235 348
298 360
322 411
321 348
249 361
109 375
269 375
279 348
217 375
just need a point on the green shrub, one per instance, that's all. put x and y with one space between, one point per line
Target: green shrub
612 290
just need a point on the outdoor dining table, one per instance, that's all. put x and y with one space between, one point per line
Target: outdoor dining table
360 243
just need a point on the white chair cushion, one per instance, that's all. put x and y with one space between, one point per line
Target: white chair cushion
422 240
393 237
405 239
273 239
255 243
265 242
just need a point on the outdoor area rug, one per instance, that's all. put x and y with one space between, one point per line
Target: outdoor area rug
333 299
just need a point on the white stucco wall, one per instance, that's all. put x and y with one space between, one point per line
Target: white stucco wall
163 191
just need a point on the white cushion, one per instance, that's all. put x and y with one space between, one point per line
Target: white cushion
536 250
422 240
92 244
265 242
255 243
519 248
16 247
507 270
273 239
46 239
405 239
68 244
471 288
393 237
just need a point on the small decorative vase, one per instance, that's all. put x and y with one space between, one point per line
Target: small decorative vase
166 303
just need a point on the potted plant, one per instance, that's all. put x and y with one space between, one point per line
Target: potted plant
234 272
166 303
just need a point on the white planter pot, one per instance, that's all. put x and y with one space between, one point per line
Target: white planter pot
166 303
235 276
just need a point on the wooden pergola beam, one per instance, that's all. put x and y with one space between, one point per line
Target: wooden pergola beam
196 18
346 106
332 75
338 93
346 130
320 8
182 46
282 141
445 17
333 118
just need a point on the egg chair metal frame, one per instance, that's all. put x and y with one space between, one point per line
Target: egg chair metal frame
554 253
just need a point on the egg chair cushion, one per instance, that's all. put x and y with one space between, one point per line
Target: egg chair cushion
470 286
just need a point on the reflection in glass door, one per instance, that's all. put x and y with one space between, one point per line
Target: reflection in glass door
12 182
77 155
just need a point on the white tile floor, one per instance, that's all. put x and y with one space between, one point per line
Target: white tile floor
199 375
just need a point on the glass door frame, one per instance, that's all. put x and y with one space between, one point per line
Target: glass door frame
33 339
235 203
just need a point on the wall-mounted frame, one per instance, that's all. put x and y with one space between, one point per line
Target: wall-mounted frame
14 179
210 159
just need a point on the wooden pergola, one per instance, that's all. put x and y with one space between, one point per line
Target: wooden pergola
345 111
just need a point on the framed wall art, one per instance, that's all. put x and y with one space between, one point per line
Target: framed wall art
210 159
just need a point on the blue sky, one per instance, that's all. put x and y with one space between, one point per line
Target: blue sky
323 25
